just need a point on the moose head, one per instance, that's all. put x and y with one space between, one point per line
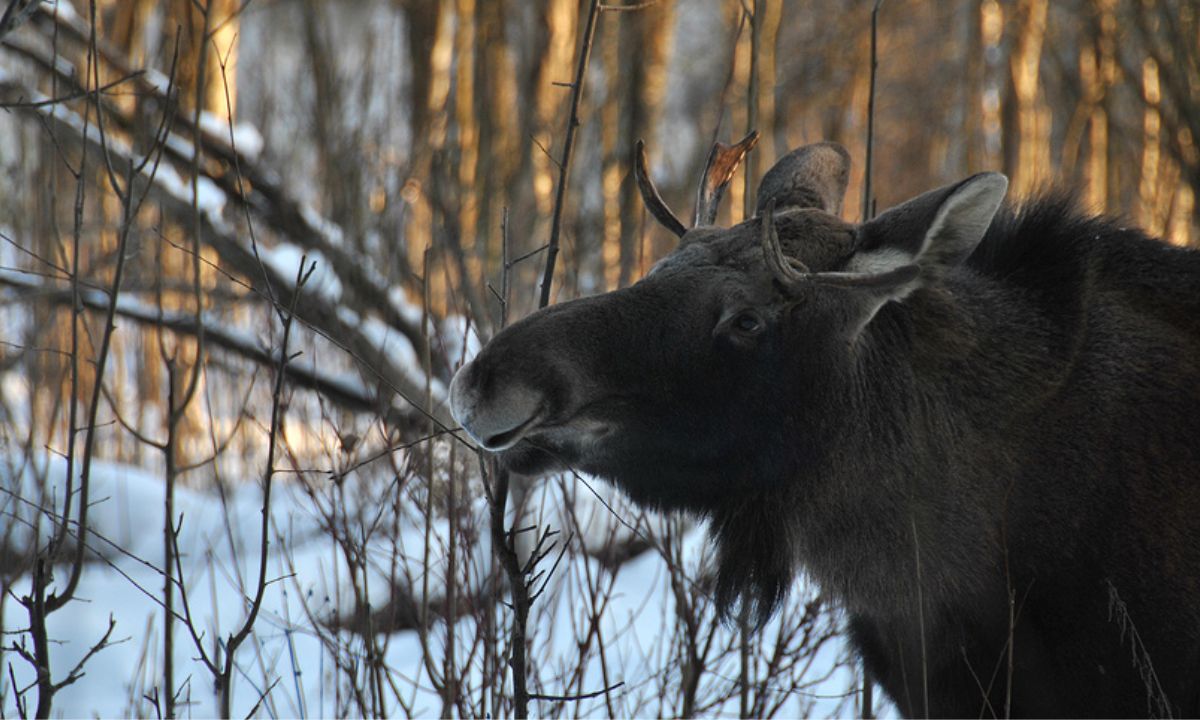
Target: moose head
725 372
935 413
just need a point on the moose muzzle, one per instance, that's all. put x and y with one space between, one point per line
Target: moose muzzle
497 418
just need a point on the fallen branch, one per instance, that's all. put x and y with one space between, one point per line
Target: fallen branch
267 197
346 392
174 197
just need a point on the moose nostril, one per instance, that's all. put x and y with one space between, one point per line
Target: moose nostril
496 414
497 442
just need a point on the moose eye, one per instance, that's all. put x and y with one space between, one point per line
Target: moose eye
747 322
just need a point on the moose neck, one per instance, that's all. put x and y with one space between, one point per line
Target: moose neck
893 514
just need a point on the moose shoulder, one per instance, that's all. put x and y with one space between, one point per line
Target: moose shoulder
977 428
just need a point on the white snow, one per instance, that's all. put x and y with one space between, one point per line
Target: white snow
331 233
284 258
127 513
246 138
407 310
459 343
397 347
157 80
66 11
210 199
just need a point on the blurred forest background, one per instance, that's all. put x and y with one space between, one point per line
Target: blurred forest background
169 166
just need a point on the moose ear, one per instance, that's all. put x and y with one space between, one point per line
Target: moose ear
814 176
939 229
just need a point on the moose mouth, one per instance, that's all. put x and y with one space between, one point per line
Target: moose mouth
507 438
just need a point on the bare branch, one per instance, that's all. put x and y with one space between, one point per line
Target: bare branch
560 197
574 698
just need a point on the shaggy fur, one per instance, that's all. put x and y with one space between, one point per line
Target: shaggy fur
1002 461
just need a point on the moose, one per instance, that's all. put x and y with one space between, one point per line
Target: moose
976 425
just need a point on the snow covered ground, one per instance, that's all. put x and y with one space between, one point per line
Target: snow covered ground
219 543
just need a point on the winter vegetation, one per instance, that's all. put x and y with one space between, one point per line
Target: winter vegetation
245 244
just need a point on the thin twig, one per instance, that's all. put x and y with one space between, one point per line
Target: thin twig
504 546
130 208
743 626
19 105
921 617
606 7
262 696
572 698
585 53
868 198
235 640
868 212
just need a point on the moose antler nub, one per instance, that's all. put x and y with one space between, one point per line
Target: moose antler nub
654 202
788 271
791 272
722 162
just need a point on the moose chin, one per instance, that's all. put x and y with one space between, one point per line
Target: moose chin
976 426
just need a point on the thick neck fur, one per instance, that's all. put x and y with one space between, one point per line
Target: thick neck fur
910 488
